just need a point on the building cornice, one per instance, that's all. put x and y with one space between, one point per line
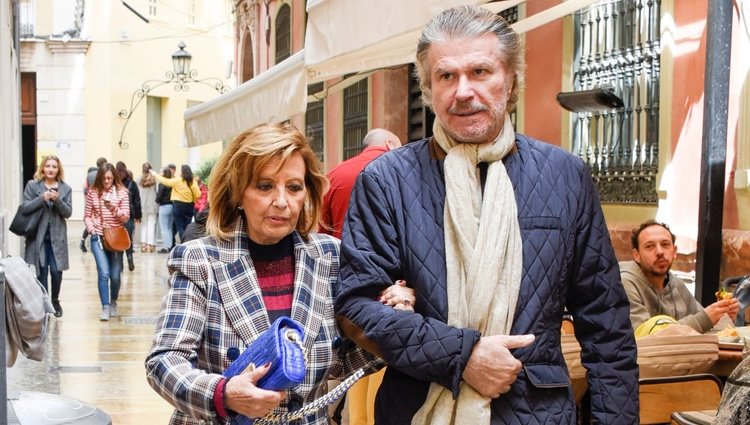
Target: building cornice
69 47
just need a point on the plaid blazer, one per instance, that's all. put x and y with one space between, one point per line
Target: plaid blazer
215 304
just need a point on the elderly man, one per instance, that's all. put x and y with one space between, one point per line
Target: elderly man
653 290
497 233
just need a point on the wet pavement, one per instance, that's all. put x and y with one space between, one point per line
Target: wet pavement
101 363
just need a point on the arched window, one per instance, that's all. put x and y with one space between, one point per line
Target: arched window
247 57
283 33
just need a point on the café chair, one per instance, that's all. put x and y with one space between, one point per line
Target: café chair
661 397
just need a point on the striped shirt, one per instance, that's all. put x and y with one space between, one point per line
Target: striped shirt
95 212
274 266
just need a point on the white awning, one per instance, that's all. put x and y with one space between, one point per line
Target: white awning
378 34
275 94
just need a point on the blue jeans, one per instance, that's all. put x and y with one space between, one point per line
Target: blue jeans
183 215
108 269
165 225
51 265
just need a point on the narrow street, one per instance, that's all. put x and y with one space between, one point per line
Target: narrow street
101 363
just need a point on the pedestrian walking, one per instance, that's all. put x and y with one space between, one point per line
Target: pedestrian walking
166 219
135 207
184 194
107 205
90 177
47 251
149 208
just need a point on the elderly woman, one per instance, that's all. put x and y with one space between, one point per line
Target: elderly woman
260 261
48 249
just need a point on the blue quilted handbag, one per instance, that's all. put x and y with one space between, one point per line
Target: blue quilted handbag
281 345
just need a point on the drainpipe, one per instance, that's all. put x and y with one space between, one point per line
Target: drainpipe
714 152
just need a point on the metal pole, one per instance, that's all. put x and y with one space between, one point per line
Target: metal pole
3 370
713 159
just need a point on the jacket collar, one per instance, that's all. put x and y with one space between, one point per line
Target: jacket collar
240 290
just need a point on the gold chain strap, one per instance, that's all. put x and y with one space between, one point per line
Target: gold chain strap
294 337
317 404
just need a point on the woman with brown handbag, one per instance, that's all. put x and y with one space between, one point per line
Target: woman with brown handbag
107 207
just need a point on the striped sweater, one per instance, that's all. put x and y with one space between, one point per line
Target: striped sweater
96 212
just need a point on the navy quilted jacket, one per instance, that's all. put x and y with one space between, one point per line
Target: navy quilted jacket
394 231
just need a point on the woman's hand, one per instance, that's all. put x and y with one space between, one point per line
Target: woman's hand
242 396
399 296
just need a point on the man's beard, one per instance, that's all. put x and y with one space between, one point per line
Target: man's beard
477 134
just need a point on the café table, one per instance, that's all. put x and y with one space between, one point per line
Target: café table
730 355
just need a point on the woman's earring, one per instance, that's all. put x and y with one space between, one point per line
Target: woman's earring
239 207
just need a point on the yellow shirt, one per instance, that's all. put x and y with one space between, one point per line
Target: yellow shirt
180 190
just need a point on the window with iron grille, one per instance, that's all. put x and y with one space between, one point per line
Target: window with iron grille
314 122
283 33
355 117
617 47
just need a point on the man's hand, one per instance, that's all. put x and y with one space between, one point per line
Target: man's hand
399 296
491 369
717 309
242 396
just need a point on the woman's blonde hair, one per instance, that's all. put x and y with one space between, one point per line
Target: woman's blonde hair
240 164
39 175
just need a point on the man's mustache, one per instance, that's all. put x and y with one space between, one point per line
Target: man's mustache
467 108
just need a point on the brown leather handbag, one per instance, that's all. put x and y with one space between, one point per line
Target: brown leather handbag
115 239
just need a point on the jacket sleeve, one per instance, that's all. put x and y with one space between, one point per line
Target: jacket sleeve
64 205
89 210
422 347
122 209
171 364
31 201
195 191
638 311
600 310
697 317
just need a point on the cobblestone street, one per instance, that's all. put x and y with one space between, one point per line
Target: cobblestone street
101 363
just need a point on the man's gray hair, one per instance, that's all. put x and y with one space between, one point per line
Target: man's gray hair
470 22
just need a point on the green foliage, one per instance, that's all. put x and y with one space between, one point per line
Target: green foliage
204 169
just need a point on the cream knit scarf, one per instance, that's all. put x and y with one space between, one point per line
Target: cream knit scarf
483 259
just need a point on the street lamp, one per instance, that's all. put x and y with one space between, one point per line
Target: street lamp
181 75
181 60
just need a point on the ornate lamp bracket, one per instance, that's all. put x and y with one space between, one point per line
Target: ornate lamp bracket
181 80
